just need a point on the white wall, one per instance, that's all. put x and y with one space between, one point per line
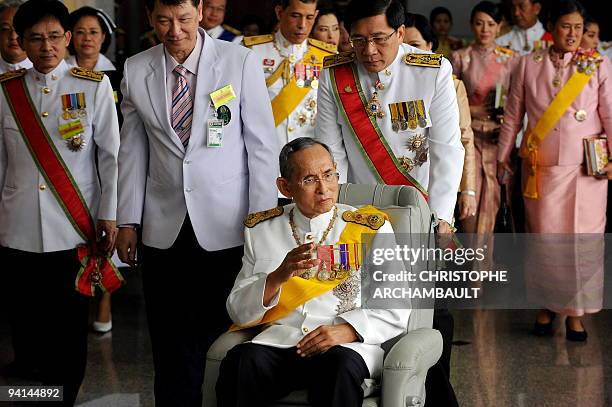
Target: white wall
460 10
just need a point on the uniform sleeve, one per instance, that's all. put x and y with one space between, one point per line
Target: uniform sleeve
259 137
468 179
328 129
376 326
106 137
245 302
514 112
605 99
445 149
133 157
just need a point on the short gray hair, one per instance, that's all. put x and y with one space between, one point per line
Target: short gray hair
6 4
292 147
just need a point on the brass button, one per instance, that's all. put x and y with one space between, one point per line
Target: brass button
46 90
42 187
290 129
305 330
45 114
54 77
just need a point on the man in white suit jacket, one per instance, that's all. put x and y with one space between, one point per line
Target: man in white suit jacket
189 189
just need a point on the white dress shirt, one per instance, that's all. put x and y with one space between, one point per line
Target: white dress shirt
6 67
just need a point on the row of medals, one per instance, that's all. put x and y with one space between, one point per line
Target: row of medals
338 272
75 143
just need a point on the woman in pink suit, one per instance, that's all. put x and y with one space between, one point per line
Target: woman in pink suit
484 67
560 198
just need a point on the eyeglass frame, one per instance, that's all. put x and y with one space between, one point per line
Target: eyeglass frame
383 40
335 177
40 40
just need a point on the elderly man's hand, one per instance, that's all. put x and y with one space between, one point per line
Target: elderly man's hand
297 262
324 337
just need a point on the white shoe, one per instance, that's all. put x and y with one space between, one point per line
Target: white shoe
102 327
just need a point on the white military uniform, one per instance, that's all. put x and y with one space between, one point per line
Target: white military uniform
225 33
272 50
6 67
31 219
438 164
103 65
266 245
524 41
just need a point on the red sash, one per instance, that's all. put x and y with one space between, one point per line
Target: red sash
97 269
375 150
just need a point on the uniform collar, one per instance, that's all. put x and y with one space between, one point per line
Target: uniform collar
315 225
26 63
193 60
557 57
286 48
536 29
215 32
52 77
386 75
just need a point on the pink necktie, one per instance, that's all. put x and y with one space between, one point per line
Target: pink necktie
182 106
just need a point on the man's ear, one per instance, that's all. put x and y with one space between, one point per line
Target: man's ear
538 8
278 10
283 186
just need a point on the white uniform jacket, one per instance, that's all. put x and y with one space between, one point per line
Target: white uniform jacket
160 181
31 219
301 122
523 41
439 170
266 246
6 67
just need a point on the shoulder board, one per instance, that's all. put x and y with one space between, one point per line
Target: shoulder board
332 49
426 60
257 39
338 59
373 221
87 74
12 75
231 29
254 218
504 51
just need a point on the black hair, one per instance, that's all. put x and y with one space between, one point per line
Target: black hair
150 4
440 10
292 147
489 8
589 19
324 9
564 7
32 12
360 9
285 3
87 11
420 22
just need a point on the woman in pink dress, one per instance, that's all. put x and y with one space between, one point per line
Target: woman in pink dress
561 200
484 67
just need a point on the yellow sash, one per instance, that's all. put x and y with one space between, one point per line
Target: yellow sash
549 119
297 291
292 95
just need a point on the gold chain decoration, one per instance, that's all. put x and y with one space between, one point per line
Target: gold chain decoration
325 233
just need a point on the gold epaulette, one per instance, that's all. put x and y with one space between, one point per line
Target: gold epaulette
372 221
12 74
332 49
257 39
504 51
338 59
426 60
231 29
87 74
254 218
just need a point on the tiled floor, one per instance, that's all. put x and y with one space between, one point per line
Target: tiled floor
495 361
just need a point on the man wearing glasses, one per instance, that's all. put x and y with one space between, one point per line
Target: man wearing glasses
324 342
12 56
212 21
388 111
59 141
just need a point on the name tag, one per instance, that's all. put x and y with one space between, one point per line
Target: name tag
223 96
215 133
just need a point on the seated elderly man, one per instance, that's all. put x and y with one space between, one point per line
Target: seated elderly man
315 334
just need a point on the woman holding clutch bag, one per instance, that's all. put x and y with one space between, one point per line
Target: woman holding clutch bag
485 69
567 95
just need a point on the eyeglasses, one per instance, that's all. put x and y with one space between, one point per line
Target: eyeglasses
53 39
360 42
311 181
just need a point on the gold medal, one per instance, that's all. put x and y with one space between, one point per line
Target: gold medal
581 115
406 163
395 117
412 115
66 114
421 114
76 143
374 107
416 142
82 113
301 119
292 58
348 89
314 84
